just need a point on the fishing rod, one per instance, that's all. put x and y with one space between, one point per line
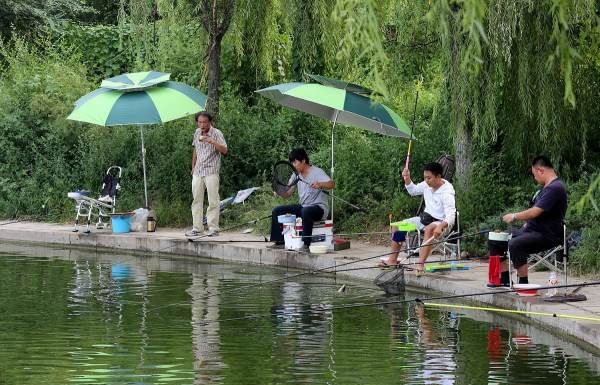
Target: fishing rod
443 305
412 126
403 265
226 229
422 300
20 220
511 311
324 269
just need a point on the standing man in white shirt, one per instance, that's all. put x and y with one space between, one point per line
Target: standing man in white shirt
437 218
209 144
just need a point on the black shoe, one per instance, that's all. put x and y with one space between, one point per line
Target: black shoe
276 245
500 286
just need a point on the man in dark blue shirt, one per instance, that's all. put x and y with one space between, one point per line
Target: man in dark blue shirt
543 228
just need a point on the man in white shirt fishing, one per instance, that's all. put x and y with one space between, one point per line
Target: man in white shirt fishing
437 218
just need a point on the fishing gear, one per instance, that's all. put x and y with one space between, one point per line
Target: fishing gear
252 222
498 310
285 177
412 126
324 269
195 239
33 217
422 300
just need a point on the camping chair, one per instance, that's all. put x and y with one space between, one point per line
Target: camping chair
102 207
448 245
556 258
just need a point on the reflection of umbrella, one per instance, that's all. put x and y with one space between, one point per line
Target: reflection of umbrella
157 104
135 81
338 105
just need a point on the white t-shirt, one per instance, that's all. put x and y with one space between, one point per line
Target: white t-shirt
440 203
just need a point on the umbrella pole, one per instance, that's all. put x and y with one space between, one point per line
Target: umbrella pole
332 155
144 166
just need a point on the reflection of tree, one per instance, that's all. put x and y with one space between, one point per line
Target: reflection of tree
205 329
302 331
439 363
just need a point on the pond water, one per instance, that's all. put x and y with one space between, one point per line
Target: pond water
84 317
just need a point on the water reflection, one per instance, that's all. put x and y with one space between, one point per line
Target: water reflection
76 316
205 329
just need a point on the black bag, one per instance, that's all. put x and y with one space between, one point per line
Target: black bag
426 218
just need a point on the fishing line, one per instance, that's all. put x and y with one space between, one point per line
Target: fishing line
226 229
498 310
312 272
419 300
409 264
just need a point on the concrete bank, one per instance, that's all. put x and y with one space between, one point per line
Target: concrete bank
249 249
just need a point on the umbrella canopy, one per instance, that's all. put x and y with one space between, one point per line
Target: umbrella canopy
339 106
342 84
159 104
135 81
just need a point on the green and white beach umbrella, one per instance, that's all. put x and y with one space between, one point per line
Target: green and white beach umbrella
135 81
160 103
339 106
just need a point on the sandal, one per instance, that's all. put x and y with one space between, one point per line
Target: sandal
420 269
384 263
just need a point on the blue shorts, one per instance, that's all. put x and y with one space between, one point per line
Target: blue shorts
399 236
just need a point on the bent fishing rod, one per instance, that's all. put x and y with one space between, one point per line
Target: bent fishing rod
421 301
453 296
324 269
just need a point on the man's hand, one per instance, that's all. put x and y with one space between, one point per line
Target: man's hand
509 218
406 176
316 185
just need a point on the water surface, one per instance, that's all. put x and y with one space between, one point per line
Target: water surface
81 317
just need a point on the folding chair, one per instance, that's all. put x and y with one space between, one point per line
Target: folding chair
102 207
448 245
450 241
556 259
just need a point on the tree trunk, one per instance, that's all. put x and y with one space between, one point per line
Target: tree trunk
216 16
214 75
464 160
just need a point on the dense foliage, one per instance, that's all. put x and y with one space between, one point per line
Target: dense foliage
499 81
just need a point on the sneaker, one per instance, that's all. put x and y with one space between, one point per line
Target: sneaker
194 232
276 245
213 233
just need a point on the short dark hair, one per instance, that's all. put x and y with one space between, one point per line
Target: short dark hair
435 168
541 161
204 113
299 154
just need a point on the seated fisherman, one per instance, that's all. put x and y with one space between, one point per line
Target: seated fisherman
437 218
312 203
543 228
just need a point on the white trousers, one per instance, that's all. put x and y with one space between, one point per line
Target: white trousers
211 184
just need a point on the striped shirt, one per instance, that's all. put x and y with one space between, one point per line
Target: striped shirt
208 159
